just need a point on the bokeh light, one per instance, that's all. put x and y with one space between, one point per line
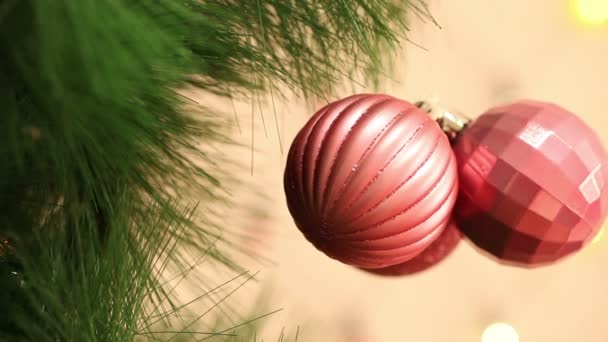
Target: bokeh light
499 332
592 11
598 236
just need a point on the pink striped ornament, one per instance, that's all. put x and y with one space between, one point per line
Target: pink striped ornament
371 180
437 252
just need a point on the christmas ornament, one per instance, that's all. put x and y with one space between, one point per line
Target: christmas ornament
533 183
440 249
371 180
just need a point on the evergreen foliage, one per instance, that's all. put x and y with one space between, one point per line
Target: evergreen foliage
101 155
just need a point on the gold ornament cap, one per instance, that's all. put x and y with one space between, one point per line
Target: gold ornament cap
452 123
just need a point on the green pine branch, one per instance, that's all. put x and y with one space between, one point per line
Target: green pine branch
103 162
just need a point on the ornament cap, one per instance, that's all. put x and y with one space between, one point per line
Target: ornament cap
450 122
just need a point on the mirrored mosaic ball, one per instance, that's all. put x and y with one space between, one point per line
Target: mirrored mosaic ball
533 183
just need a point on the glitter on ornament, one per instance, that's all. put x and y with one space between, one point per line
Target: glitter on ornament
371 180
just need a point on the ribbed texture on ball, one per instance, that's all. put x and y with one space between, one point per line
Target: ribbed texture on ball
438 251
371 180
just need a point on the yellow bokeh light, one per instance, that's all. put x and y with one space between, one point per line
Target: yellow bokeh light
592 11
598 236
500 332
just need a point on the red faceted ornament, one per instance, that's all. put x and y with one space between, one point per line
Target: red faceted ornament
371 180
533 183
439 250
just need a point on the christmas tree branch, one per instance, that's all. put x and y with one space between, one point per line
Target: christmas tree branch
102 157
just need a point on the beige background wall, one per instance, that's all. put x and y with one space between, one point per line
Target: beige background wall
487 52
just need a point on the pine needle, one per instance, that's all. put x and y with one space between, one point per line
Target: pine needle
109 175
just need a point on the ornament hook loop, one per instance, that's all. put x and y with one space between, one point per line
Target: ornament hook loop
451 123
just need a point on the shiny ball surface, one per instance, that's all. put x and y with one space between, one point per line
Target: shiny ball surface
533 183
370 180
